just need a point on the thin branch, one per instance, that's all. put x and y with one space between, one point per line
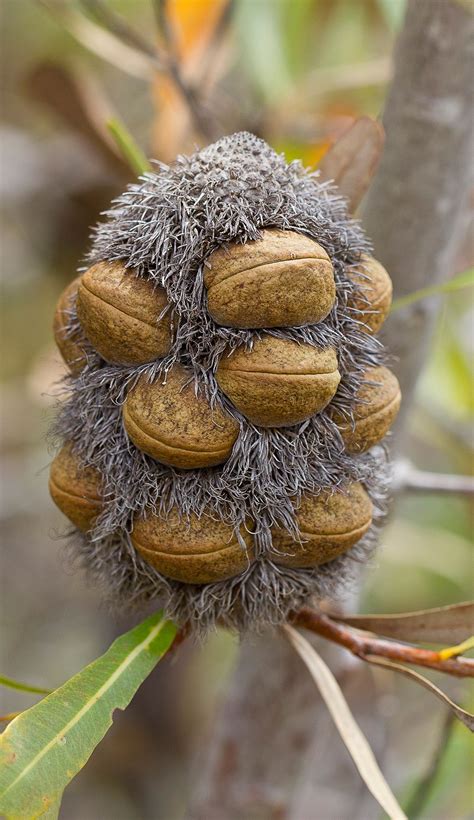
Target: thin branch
363 645
188 91
103 40
99 41
118 26
408 479
215 42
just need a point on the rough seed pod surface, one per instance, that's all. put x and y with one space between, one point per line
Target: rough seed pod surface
70 350
200 551
376 297
75 489
119 313
285 279
330 524
375 412
279 382
173 425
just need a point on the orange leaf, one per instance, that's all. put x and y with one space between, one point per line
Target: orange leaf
193 23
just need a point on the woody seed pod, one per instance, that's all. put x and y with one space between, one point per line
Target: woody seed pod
120 314
199 551
279 382
376 293
70 350
173 425
75 489
282 280
330 524
376 410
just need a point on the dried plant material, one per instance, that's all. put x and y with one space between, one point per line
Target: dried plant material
278 382
68 345
378 403
329 524
161 442
353 160
375 298
195 551
169 422
364 645
465 717
122 314
444 624
75 489
284 279
349 730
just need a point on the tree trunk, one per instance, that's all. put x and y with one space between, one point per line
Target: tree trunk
414 208
270 756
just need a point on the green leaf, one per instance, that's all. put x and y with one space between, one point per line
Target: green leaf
131 152
47 745
23 687
462 280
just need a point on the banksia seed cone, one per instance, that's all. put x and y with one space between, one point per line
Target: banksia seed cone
121 314
282 280
279 382
69 345
233 395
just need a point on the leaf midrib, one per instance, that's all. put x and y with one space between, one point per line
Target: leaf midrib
90 703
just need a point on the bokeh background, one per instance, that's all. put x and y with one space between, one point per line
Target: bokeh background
297 72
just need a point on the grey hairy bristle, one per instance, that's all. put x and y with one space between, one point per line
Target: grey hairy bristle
164 228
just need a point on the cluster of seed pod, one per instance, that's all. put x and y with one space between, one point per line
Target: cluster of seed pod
284 279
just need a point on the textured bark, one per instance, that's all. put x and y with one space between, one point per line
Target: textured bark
271 756
414 207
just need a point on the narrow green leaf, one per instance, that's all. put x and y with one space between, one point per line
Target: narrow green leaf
23 687
47 745
131 152
462 280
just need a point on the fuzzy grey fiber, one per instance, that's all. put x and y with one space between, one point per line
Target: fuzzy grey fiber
164 227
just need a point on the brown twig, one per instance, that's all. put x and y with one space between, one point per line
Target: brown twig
188 91
165 61
118 26
367 645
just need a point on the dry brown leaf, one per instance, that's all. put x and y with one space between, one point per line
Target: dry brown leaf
349 730
443 625
465 717
352 161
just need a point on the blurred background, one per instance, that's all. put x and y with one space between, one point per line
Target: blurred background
296 72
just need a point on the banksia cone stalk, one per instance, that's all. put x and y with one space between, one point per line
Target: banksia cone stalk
227 395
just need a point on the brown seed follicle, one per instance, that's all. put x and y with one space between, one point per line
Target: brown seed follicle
283 279
174 426
376 408
195 551
70 350
279 382
330 524
75 489
120 312
375 296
